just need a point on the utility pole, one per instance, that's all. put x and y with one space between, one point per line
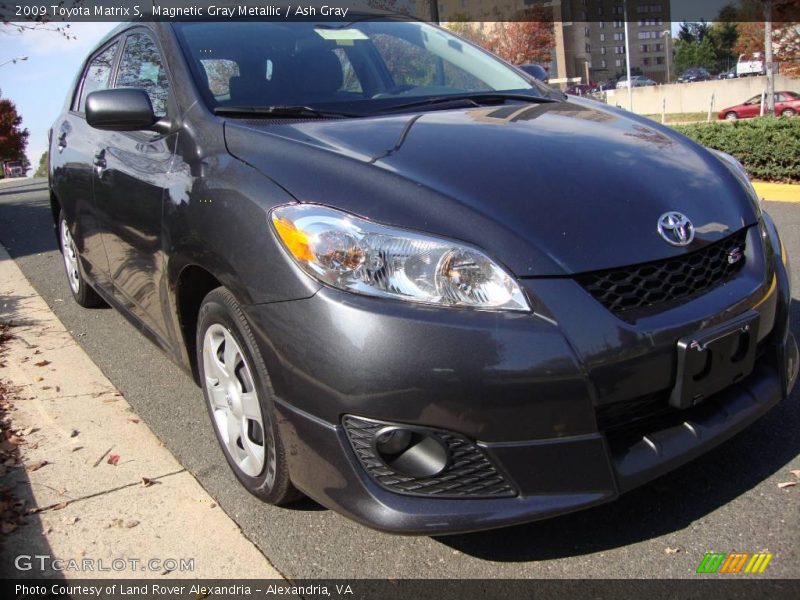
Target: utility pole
768 58
435 11
667 39
628 55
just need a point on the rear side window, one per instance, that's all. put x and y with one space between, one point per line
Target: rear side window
141 67
98 74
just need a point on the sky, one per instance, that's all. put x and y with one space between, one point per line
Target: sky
39 85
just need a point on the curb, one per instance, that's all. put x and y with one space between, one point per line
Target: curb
105 498
777 192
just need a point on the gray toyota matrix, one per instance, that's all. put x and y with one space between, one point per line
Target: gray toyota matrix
414 283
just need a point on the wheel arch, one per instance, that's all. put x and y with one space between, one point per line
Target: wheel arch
193 283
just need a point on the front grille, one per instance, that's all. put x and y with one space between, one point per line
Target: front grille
659 283
469 473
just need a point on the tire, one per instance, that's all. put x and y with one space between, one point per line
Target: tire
238 396
788 112
731 116
82 292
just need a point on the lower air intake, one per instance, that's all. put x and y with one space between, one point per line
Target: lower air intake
420 461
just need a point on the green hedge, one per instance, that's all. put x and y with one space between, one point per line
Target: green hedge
768 147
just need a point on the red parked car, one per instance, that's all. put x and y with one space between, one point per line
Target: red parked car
787 104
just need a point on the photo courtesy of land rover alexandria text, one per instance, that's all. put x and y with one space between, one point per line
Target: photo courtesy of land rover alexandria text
413 282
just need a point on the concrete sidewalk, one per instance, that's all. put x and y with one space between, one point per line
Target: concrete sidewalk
102 490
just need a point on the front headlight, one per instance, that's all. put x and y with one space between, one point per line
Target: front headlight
353 254
741 174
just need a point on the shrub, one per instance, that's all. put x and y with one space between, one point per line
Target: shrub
768 147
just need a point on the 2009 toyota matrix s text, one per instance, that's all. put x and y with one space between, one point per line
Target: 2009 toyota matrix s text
413 283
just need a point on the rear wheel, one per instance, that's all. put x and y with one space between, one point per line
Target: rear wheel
788 112
82 292
731 116
239 396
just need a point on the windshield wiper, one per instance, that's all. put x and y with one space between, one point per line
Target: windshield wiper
281 111
476 99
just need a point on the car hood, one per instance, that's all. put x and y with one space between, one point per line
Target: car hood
548 189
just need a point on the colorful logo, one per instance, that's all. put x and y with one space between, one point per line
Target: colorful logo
735 562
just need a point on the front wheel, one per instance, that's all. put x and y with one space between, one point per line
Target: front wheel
788 112
731 116
82 292
239 396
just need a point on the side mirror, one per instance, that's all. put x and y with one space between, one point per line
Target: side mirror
121 109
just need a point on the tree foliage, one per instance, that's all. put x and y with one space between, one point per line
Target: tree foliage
13 137
528 40
41 170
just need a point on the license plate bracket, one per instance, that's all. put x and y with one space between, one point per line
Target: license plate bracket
714 359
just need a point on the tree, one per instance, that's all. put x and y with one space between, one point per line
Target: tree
521 42
723 36
41 170
694 54
13 139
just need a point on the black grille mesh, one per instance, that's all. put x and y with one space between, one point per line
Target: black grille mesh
470 474
661 282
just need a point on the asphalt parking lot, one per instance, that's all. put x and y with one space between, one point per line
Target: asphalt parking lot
726 501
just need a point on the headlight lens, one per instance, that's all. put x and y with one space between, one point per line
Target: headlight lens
353 254
741 173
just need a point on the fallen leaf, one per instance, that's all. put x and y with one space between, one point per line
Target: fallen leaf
787 484
59 506
133 419
35 466
73 433
131 524
76 448
795 472
146 482
669 550
42 363
113 459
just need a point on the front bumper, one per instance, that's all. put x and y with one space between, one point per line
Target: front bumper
553 400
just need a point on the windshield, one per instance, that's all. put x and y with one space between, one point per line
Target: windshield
357 68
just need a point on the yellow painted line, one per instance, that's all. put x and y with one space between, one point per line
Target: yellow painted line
777 192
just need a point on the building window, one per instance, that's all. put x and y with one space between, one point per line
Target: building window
619 49
618 62
603 63
659 60
602 37
618 37
619 24
603 50
645 62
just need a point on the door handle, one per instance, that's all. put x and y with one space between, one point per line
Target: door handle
62 141
100 161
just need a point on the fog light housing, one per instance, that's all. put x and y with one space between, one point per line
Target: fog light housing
424 461
413 453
